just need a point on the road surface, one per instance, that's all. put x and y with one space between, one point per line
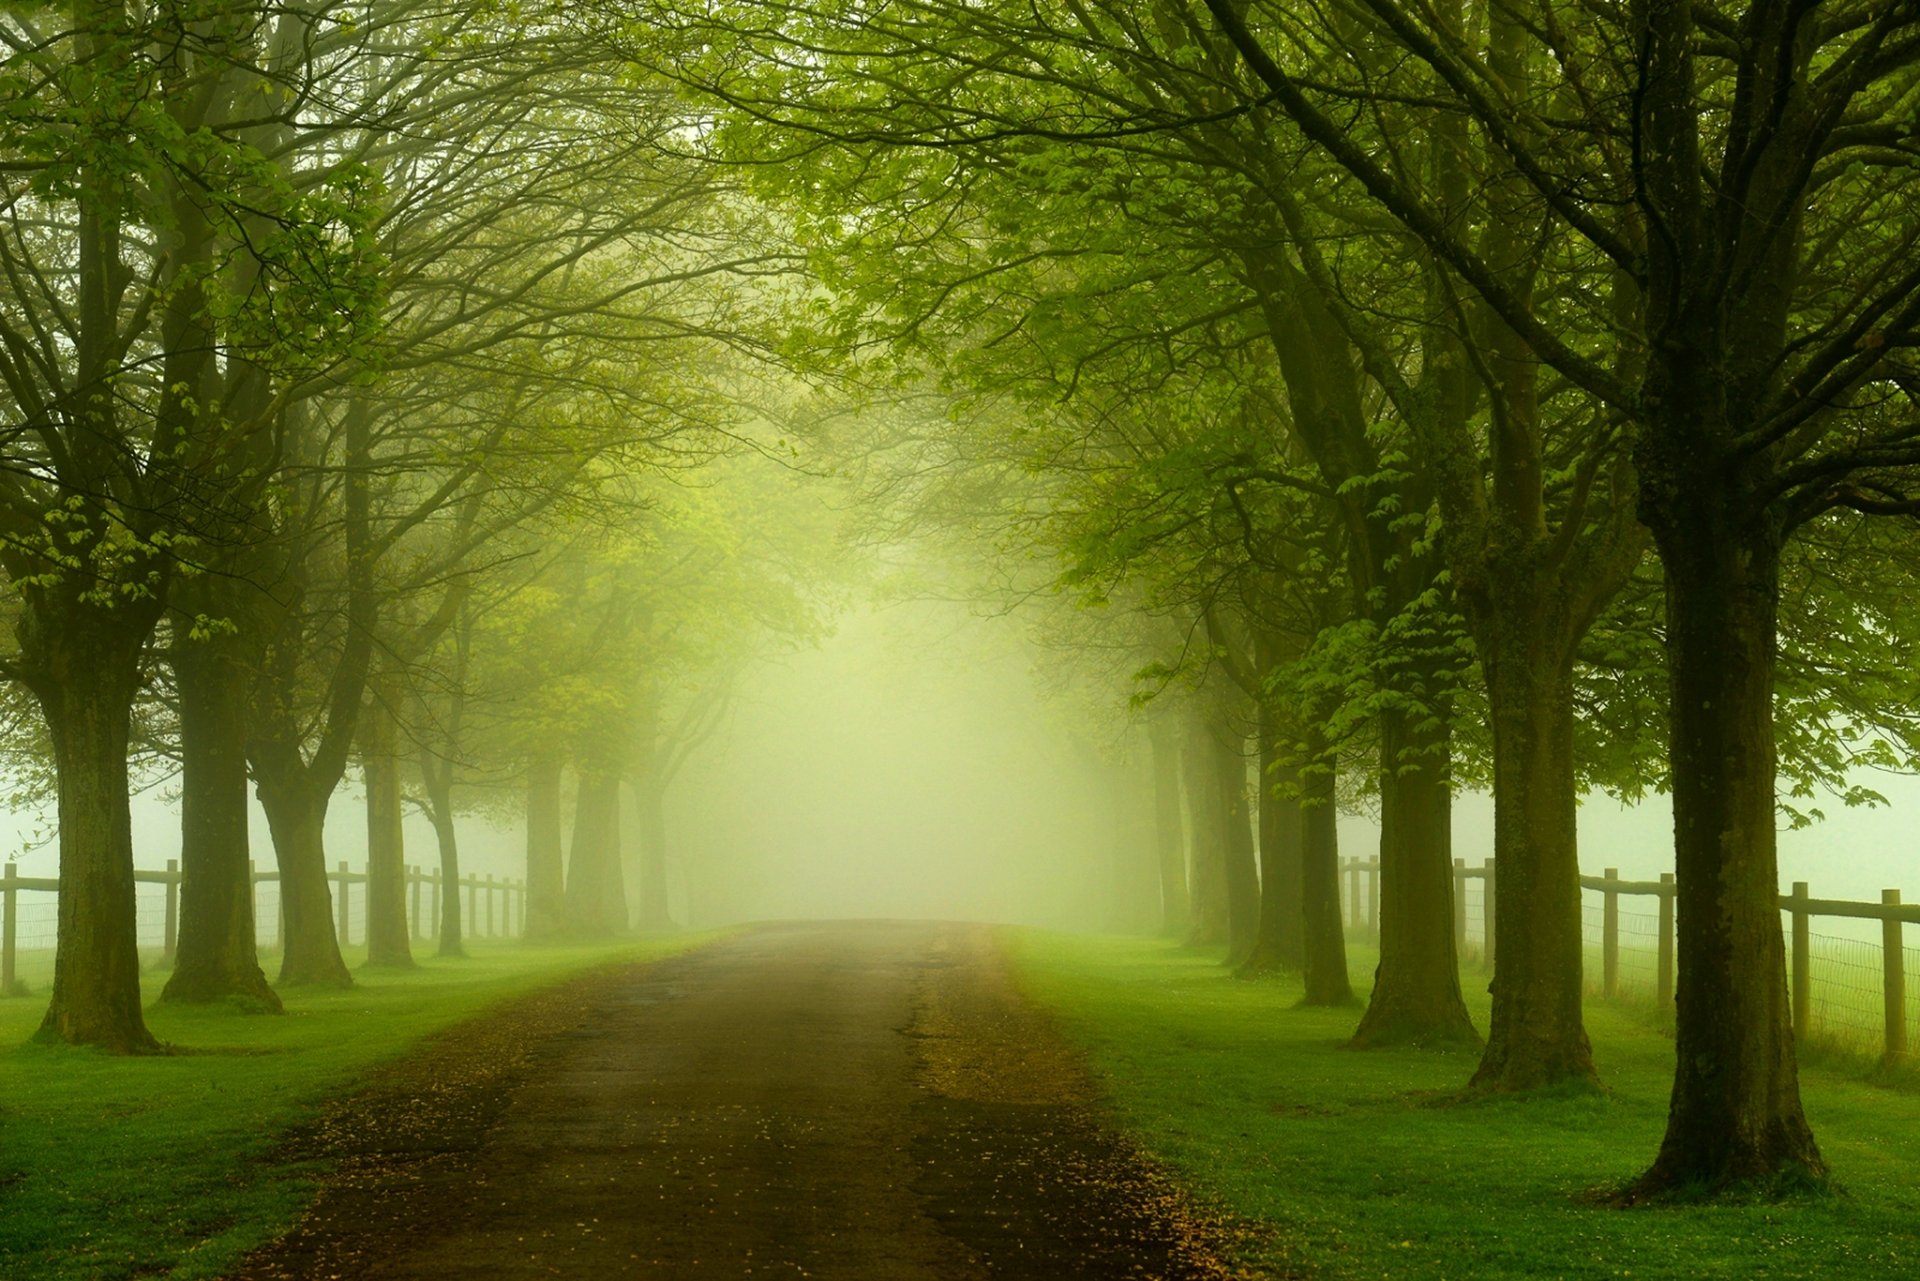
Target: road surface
851 1101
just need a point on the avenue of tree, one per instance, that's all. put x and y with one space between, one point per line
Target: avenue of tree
1360 400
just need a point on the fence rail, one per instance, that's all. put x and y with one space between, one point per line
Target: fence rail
423 892
1832 989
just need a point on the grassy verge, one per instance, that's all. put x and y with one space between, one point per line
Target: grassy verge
115 1168
1364 1165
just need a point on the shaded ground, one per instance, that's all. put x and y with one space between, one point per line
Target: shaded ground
855 1101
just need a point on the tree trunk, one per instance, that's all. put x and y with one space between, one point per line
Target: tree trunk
1280 944
1169 838
1325 941
1537 1036
1242 878
216 955
546 857
452 941
85 668
1135 877
595 899
653 857
1416 989
436 778
1735 1114
388 931
297 818
1207 822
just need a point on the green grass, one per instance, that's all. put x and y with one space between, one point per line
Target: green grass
114 1167
1364 1164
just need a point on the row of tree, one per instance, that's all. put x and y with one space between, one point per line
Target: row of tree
356 369
1465 385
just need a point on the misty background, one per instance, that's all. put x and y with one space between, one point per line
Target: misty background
915 764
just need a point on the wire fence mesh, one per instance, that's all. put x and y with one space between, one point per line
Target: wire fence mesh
1846 1001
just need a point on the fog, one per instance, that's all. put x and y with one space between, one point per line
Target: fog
909 766
912 764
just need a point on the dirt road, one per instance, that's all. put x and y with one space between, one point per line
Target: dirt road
858 1101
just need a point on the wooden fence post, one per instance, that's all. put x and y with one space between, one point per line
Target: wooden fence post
1353 895
490 905
433 904
1893 970
9 985
413 891
1663 989
343 903
1459 907
170 930
473 901
1610 936
1489 899
1373 899
1802 963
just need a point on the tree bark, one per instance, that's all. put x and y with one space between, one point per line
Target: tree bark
1537 1036
297 816
546 856
1238 866
216 955
1207 822
388 932
1324 942
436 777
1280 943
595 898
83 663
1735 1113
1416 989
450 927
1169 837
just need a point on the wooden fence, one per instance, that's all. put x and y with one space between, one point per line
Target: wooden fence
1362 879
484 895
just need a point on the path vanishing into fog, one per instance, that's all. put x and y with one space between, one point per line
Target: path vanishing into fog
867 1100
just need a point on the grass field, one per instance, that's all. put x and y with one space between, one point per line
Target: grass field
1352 1164
113 1167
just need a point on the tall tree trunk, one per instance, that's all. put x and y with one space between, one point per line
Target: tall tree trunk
1169 838
1280 944
595 899
1735 1113
1416 989
1207 821
1324 943
1135 875
439 788
653 857
436 778
83 661
216 955
546 857
297 816
1537 1036
388 930
1240 873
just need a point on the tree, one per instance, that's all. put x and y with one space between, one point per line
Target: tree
136 203
1134 228
1726 167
